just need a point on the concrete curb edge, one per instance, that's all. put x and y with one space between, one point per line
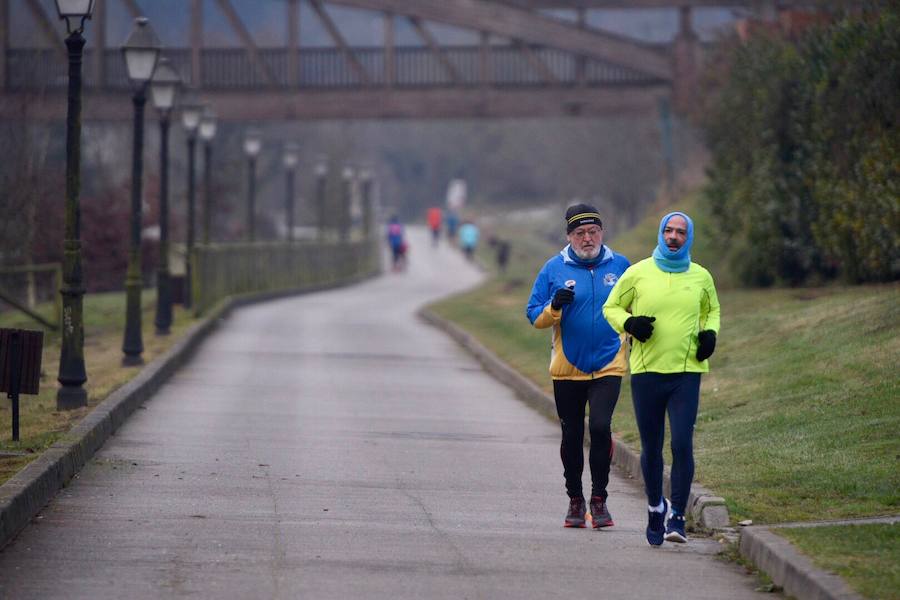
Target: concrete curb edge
25 494
789 569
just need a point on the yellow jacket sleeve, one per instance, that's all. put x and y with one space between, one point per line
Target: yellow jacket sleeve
548 318
709 307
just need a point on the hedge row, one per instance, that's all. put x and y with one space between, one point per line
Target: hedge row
805 138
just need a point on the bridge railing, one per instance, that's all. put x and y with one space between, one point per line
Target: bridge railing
326 68
222 270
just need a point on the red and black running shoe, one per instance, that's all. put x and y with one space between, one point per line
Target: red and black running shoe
575 516
600 516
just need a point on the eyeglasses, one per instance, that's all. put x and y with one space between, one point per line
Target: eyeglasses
580 234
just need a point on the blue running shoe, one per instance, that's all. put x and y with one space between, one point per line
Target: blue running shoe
675 529
656 525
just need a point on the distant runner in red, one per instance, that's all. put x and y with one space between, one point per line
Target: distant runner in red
434 218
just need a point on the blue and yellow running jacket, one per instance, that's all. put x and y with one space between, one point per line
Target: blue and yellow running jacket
583 345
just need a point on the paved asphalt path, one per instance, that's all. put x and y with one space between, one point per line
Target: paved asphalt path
332 446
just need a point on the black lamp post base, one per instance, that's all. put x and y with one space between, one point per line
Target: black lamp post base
163 320
132 360
71 397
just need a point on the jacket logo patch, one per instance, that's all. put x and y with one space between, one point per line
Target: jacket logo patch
610 279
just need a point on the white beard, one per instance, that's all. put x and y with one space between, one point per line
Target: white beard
589 255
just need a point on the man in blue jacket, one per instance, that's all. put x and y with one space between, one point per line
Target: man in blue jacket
587 357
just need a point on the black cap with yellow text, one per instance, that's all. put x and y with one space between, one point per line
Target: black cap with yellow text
582 214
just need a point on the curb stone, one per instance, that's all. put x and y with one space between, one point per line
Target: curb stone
25 494
792 570
789 569
772 554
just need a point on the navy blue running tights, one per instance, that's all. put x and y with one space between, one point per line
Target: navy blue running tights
654 395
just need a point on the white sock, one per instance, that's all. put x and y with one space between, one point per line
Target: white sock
658 509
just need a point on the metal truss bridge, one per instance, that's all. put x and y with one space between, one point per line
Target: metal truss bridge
526 63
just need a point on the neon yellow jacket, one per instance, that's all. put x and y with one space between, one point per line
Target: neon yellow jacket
683 303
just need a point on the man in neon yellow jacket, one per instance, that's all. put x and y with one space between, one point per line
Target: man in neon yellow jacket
669 306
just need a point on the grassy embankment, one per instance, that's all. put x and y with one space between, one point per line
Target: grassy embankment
40 423
866 556
799 415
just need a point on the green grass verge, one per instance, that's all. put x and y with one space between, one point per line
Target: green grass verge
866 556
799 413
40 424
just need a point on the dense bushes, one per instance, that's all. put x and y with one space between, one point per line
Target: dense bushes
805 176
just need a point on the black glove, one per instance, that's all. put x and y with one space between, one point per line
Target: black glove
562 296
640 327
706 344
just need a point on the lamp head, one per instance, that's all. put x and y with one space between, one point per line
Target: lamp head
252 143
208 124
75 12
141 51
321 168
290 155
191 110
164 86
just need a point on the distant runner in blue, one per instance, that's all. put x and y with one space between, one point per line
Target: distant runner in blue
397 243
468 238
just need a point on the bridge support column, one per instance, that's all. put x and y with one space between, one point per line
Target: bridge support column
390 64
98 61
686 58
581 60
196 41
293 39
484 58
4 40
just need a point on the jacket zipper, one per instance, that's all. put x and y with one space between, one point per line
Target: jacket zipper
593 318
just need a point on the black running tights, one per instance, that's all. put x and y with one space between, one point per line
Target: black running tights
571 399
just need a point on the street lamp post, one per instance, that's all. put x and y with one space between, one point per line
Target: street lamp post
321 175
72 373
163 88
346 202
190 119
252 146
141 51
290 166
207 133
